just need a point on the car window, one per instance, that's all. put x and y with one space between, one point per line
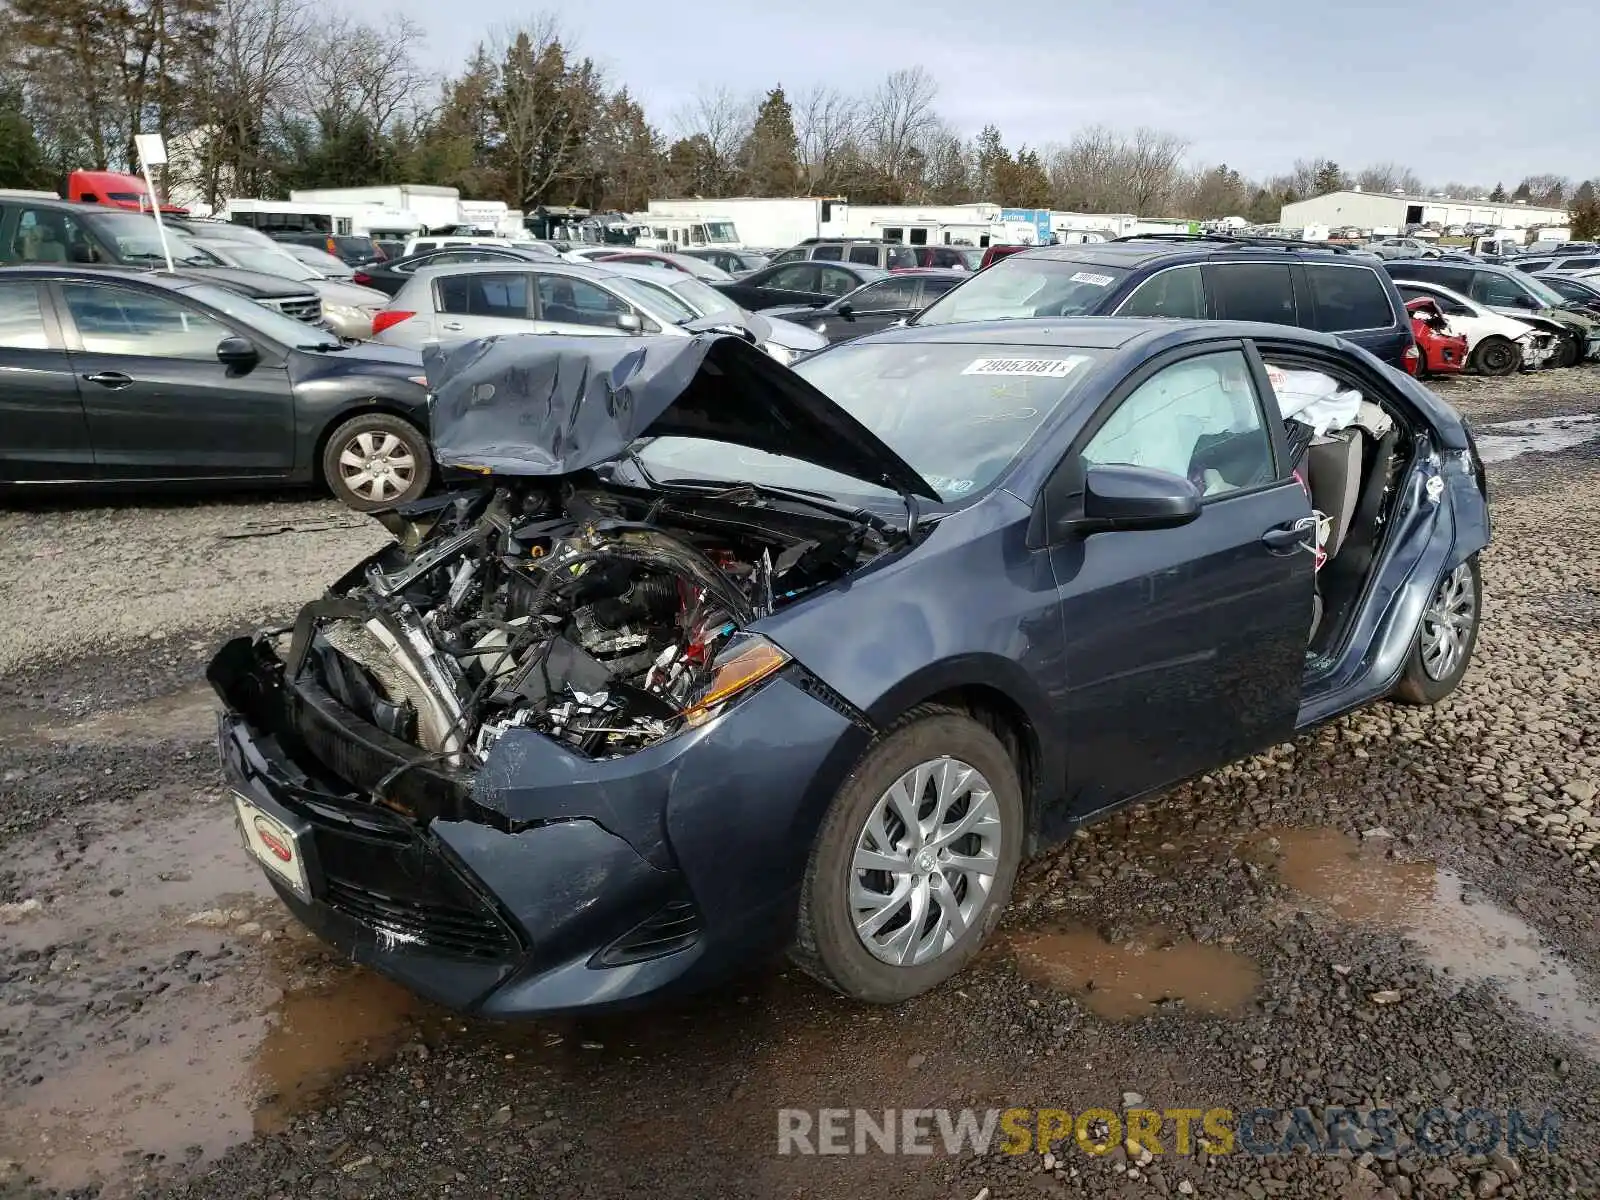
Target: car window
789 256
47 235
836 281
1497 290
1172 293
799 277
419 247
935 287
828 253
1457 279
1349 298
1252 292
570 301
867 255
21 317
900 257
886 294
1579 264
1532 264
492 294
1450 308
1199 419
114 320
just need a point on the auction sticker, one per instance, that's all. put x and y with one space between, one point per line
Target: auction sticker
1041 368
1091 277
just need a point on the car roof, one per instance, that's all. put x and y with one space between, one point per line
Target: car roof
91 274
1136 251
935 272
559 266
1090 333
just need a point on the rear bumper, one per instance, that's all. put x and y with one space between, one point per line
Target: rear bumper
552 885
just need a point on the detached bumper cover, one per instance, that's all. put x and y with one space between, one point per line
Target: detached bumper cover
548 883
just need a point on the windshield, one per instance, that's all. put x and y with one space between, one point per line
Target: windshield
720 231
274 325
1544 291
657 300
704 298
959 414
321 261
138 241
1026 286
270 262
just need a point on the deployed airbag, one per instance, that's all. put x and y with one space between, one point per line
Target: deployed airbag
1314 399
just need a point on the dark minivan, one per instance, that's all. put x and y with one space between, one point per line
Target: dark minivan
1206 277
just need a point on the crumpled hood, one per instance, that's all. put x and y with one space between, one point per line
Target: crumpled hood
352 295
542 405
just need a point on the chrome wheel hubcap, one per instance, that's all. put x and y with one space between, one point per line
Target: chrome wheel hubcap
925 862
1447 624
377 466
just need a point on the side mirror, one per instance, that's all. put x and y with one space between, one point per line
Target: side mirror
237 352
847 311
1126 498
629 322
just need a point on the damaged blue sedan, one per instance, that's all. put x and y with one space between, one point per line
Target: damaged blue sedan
701 658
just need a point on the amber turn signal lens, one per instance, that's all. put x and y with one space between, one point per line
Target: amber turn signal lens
742 665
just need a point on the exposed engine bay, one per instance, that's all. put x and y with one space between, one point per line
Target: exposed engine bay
604 616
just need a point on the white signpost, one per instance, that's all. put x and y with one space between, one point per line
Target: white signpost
153 153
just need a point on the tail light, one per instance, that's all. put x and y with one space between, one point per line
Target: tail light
362 278
1412 358
388 319
332 247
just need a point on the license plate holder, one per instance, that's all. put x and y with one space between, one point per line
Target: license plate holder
279 841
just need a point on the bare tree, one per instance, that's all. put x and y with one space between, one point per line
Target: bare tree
1389 177
254 73
357 71
900 123
1102 170
547 105
718 122
827 122
1153 172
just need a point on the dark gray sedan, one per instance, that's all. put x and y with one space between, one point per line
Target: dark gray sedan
717 658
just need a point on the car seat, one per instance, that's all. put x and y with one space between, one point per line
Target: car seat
1333 469
562 306
47 248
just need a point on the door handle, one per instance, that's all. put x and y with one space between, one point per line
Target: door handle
453 326
1282 539
110 379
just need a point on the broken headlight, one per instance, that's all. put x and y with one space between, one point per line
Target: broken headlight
743 664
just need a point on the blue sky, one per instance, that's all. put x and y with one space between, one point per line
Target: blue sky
1253 83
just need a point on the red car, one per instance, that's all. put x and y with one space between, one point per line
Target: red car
1441 352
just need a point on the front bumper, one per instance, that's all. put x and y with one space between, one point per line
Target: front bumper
547 883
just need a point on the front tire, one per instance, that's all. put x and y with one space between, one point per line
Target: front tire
1569 354
376 460
1446 637
914 862
1496 356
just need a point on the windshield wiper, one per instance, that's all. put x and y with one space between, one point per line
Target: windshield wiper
732 490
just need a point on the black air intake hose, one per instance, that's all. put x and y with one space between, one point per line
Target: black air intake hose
656 595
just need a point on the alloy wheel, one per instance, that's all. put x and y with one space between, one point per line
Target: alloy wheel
377 465
925 862
1447 623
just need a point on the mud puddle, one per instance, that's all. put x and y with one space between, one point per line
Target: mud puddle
1461 934
1503 440
158 1001
185 715
1137 977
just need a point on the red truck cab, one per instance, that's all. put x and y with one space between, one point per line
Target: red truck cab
115 190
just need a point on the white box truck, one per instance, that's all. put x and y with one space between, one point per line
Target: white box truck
760 223
434 207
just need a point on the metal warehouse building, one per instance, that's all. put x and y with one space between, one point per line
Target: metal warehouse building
1383 210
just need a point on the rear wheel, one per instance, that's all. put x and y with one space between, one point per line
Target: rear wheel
1496 356
376 460
914 862
1445 638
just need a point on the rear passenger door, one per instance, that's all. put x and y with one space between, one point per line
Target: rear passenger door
1351 301
483 303
46 435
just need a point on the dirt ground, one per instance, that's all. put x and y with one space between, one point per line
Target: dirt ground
1396 911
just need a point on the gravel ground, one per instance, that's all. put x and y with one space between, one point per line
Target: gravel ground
1393 912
